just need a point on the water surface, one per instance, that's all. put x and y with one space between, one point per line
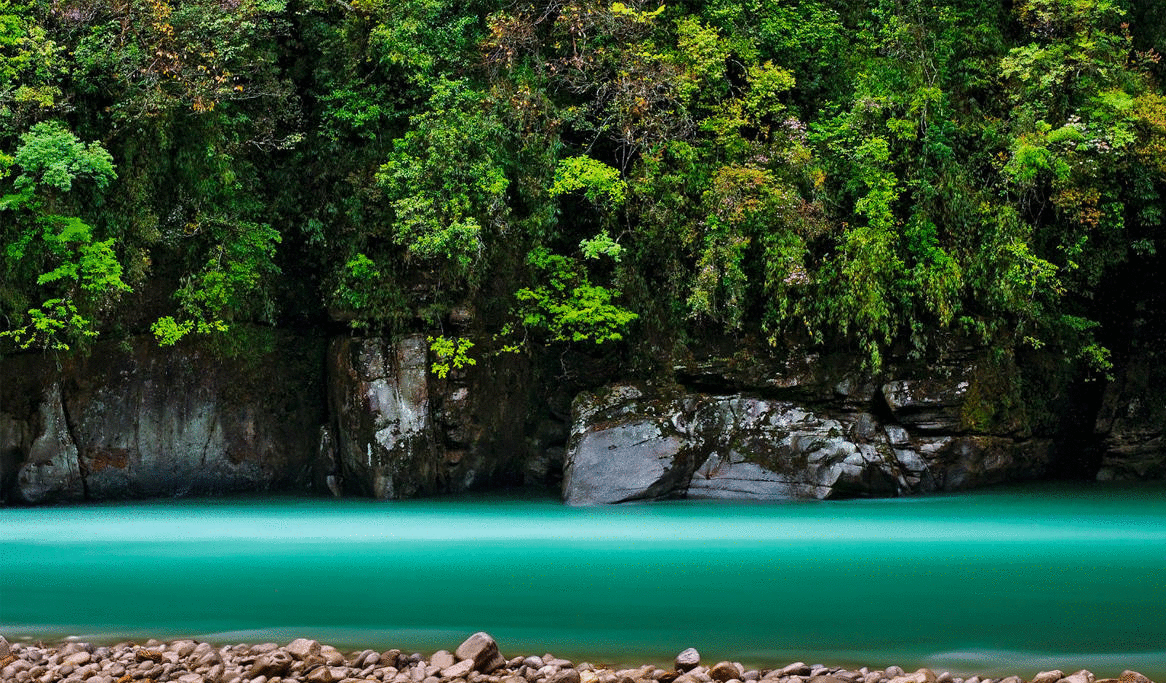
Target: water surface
1012 580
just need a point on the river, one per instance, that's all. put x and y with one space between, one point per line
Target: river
1010 580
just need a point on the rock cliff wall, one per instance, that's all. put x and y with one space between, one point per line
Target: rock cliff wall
812 429
401 432
365 416
142 422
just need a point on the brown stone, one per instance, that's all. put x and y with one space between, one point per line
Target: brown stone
724 671
688 660
483 650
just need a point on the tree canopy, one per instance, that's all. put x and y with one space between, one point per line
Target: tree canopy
863 174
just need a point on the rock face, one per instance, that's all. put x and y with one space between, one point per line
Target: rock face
401 432
366 416
380 396
809 436
144 421
1132 423
51 471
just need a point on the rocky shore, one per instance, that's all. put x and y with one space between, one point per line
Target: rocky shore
476 660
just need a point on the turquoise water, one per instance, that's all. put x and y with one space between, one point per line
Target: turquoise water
1011 580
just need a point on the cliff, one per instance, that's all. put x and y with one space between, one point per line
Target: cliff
365 416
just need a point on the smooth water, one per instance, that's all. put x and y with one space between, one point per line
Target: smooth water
1006 581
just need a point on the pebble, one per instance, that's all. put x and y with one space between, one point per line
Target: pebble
477 660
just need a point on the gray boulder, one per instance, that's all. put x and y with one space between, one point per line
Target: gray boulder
482 650
625 447
688 660
633 443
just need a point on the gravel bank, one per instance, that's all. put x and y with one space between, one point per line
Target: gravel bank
477 660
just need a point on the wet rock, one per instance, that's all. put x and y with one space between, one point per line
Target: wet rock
302 648
688 660
5 648
1128 676
459 669
380 392
51 471
621 450
274 663
928 405
483 651
629 444
724 671
1132 420
565 676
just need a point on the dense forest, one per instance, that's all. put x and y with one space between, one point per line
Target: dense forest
619 178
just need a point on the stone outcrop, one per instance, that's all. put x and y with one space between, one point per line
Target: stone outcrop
51 471
1131 423
366 416
140 421
380 397
402 432
805 435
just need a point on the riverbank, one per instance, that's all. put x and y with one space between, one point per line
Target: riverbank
476 660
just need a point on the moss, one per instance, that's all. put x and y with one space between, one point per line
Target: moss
993 403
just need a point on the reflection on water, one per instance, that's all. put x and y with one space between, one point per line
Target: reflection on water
1012 580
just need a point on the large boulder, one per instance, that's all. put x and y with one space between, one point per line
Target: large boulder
625 446
765 449
634 442
631 443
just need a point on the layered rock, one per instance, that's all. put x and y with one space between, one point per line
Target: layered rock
811 434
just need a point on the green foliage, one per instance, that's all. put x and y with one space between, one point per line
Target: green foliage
47 253
451 354
229 281
52 157
867 176
445 181
569 307
595 178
